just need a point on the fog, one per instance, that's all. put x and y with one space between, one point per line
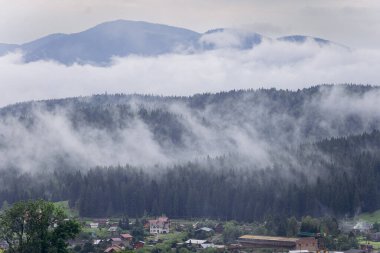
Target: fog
272 63
253 135
233 128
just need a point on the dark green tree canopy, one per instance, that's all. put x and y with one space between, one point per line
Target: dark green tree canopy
36 226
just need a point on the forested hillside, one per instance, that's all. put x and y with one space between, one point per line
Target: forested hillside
237 155
344 182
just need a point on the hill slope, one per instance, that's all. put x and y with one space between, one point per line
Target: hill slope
104 129
236 155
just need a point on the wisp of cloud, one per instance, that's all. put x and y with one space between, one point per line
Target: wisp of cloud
272 63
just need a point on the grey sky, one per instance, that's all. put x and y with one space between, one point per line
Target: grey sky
351 22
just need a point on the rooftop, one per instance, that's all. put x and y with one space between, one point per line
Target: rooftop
194 241
268 238
205 229
126 236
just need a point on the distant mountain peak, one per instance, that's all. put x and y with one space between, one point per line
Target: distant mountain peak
120 38
303 39
230 37
216 30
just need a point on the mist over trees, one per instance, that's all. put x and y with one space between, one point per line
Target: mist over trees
241 155
212 188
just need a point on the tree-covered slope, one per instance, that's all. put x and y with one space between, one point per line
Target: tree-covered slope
259 125
339 177
237 155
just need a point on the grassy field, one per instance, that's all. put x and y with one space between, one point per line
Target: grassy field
167 240
68 211
173 236
100 233
370 217
376 245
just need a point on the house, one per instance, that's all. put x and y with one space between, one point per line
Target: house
113 231
207 245
203 233
116 242
94 225
198 243
138 245
219 248
113 249
180 227
97 242
113 224
257 241
205 229
363 227
219 228
159 226
102 222
366 247
375 237
126 237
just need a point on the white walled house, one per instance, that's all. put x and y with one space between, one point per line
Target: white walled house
159 226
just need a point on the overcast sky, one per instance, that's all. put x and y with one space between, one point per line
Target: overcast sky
351 22
278 64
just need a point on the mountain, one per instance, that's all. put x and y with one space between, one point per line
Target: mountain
121 38
117 38
43 42
303 39
230 38
5 48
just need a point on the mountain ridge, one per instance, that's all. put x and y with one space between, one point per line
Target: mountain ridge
97 45
312 89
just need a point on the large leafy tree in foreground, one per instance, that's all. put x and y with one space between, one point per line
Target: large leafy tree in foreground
36 226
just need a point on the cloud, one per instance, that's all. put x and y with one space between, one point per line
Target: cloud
271 64
52 142
223 39
237 130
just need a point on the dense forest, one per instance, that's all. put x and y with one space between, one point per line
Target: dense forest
241 155
348 183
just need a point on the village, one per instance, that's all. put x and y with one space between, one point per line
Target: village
162 234
159 234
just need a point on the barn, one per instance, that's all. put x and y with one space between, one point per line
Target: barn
289 243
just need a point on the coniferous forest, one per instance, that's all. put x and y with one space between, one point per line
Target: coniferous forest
301 153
